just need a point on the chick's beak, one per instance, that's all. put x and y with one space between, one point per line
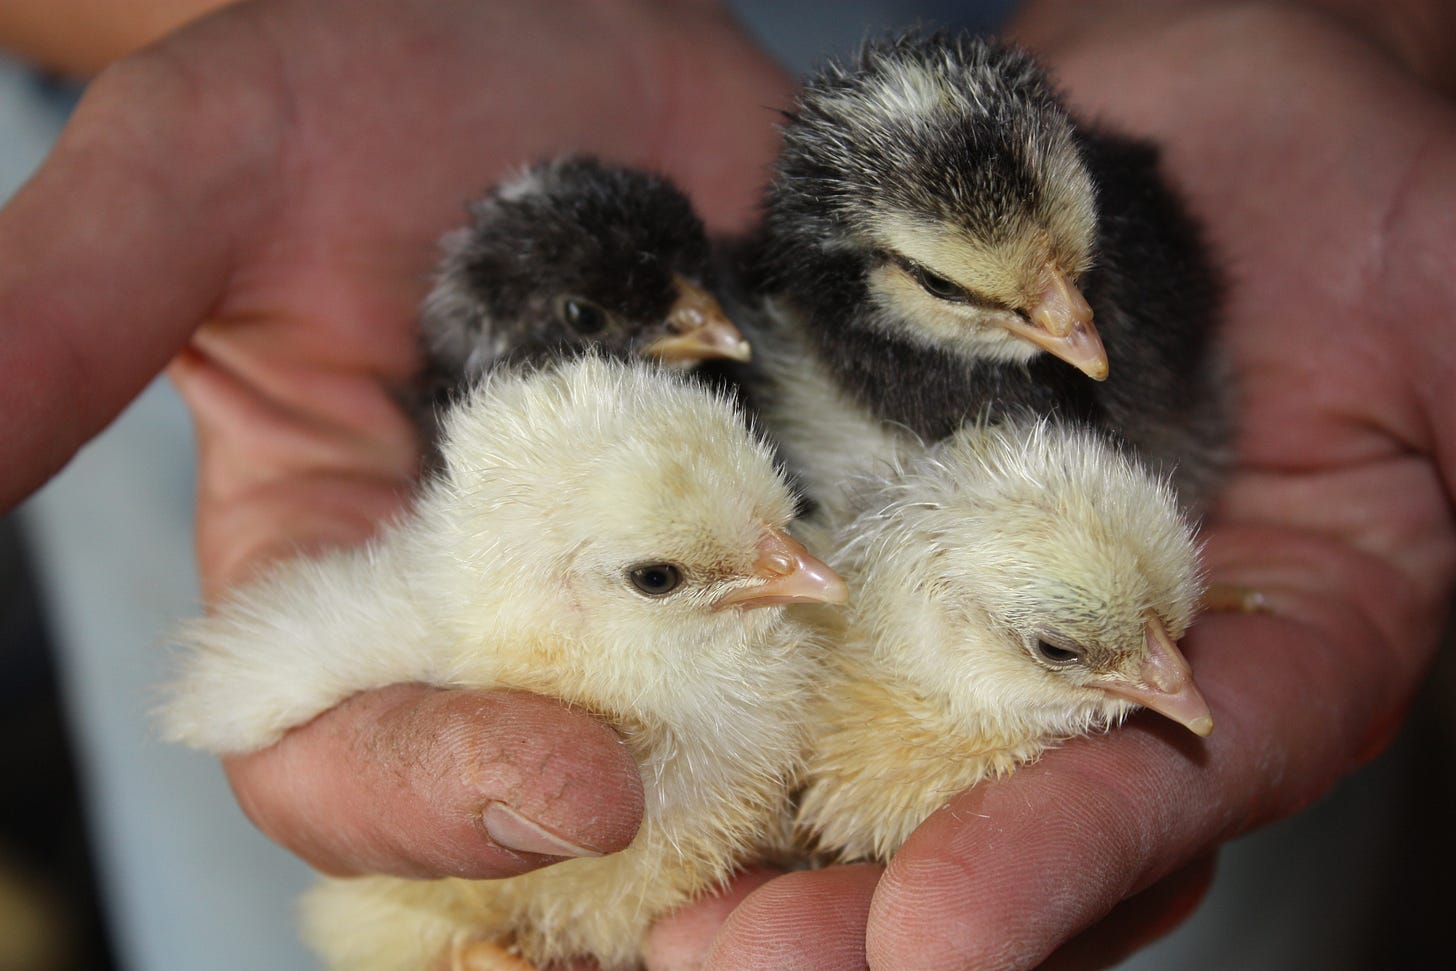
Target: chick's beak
1060 323
788 574
1165 683
700 329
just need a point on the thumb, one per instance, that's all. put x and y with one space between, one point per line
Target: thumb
421 782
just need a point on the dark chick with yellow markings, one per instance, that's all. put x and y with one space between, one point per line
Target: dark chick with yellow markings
942 242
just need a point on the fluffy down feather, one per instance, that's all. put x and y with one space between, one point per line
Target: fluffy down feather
515 570
1004 586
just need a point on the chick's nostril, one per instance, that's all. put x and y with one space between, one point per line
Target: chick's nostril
685 320
778 564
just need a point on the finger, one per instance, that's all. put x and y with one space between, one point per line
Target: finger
1426 219
1136 922
113 252
680 941
812 920
420 782
1006 873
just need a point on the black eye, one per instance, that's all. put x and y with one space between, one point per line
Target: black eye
582 316
1053 655
936 285
656 579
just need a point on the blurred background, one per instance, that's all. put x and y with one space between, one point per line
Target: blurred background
119 852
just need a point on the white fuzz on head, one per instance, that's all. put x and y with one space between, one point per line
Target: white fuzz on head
529 181
1005 535
557 487
942 157
449 301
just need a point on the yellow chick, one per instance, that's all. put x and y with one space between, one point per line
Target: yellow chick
602 532
1016 586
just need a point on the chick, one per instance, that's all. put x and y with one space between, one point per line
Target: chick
940 240
571 253
1016 586
603 532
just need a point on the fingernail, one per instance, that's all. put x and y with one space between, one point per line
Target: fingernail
515 832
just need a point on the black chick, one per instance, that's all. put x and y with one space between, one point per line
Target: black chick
570 254
939 239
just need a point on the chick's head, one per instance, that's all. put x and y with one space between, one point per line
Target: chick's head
574 253
625 517
1044 580
941 172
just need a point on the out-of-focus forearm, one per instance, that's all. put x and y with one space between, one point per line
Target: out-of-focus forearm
1421 34
80 37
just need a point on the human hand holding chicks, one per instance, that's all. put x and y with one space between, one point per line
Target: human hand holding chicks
307 637
308 276
1338 510
1116 779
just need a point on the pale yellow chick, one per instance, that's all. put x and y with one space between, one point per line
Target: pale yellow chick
1016 586
601 532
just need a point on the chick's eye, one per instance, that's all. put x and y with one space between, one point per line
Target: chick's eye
1054 655
582 316
936 285
656 579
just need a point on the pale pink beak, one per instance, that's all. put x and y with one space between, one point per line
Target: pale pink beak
788 574
1165 683
1061 324
700 330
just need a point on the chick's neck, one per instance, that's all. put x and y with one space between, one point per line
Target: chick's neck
885 757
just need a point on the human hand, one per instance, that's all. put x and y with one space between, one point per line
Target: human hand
80 37
1326 173
281 170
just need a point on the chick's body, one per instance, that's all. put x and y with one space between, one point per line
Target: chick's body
1015 586
600 532
716 797
945 245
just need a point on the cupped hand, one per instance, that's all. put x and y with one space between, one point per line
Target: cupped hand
1326 174
264 188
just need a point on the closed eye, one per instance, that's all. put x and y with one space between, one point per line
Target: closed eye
936 285
940 287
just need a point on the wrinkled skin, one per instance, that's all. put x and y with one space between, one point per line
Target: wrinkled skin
277 175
